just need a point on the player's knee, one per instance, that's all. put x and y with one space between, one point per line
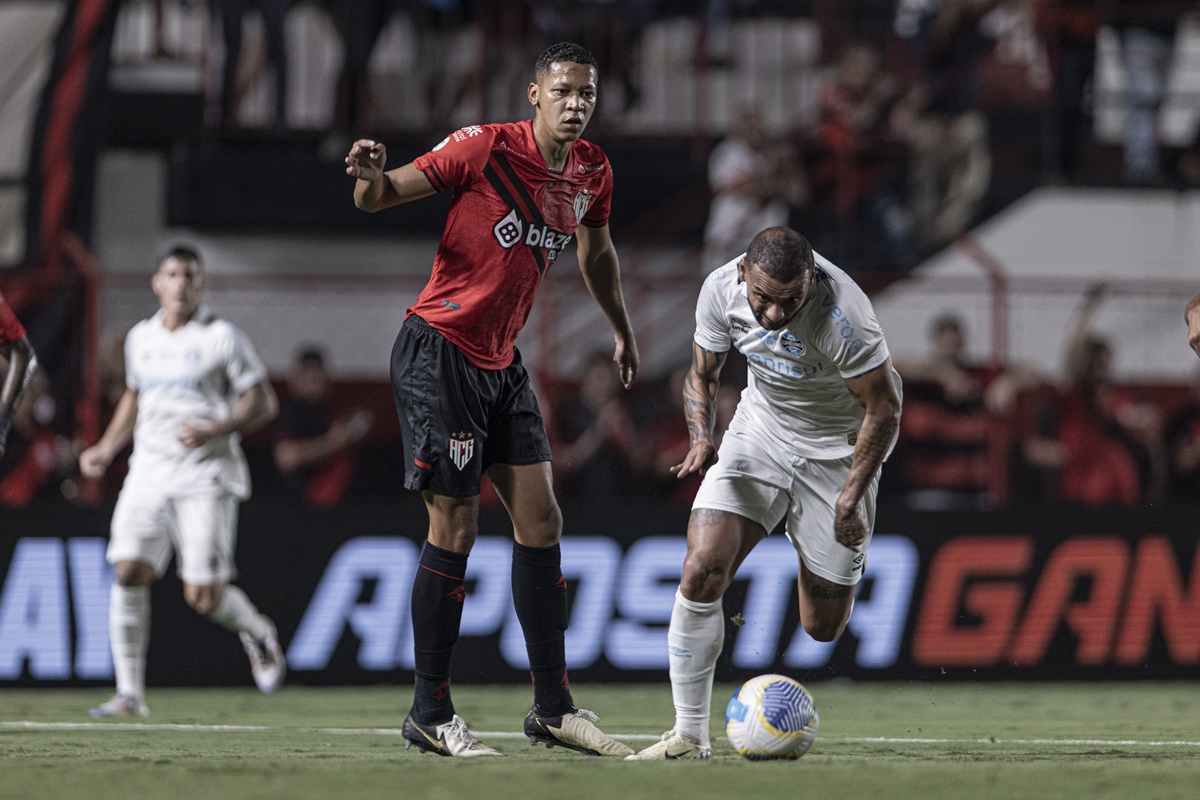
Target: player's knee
549 525
204 600
824 630
704 580
540 528
133 573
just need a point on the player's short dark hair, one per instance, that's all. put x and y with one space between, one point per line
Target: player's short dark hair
563 51
944 322
184 252
310 355
783 254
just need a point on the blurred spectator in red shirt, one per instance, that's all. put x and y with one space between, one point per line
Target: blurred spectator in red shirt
312 450
1103 443
855 159
1068 29
595 452
1183 448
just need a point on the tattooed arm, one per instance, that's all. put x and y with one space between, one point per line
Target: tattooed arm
699 409
875 392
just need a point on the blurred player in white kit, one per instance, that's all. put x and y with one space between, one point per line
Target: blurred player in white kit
193 385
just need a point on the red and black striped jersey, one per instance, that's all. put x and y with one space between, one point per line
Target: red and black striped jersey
11 328
510 219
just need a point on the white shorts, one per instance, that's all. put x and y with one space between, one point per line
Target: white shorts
200 528
763 483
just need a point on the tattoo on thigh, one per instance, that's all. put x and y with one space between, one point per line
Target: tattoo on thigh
822 589
708 516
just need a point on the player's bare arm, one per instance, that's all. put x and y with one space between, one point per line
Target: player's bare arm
699 410
376 189
1192 315
254 408
94 461
602 274
876 393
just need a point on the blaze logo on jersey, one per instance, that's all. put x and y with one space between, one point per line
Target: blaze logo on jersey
508 230
512 230
583 201
462 447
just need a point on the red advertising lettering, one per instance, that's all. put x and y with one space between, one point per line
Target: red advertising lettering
941 638
1105 560
1157 595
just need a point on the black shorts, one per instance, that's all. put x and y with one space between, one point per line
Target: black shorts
457 419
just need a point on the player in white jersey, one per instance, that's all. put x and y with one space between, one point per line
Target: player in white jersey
193 385
814 425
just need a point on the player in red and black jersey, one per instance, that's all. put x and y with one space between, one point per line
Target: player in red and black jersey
18 353
522 191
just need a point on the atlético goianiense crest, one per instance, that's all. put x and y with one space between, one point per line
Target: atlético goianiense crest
582 202
462 447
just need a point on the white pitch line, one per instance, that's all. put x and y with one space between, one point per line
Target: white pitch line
1110 742
166 726
146 726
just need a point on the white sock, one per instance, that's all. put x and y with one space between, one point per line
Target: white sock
694 641
129 633
237 613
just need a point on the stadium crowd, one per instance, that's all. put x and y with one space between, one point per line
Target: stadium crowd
897 163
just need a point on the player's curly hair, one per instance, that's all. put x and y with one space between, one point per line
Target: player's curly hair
783 254
563 51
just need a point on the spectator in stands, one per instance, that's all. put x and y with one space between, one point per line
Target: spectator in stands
855 155
1068 30
313 451
18 361
755 184
1102 444
1147 31
41 458
951 165
1183 448
359 22
595 453
273 13
943 447
610 30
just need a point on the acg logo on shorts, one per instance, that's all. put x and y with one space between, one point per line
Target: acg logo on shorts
462 447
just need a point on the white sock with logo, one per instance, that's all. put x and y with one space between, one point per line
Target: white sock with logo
129 632
694 642
237 613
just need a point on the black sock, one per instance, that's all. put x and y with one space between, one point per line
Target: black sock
540 597
437 606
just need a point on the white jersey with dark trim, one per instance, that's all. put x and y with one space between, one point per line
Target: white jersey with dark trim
189 376
797 395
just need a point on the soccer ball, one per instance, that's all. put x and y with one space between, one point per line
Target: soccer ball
771 717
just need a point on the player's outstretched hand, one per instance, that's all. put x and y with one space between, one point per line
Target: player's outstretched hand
699 458
93 462
626 357
366 160
193 436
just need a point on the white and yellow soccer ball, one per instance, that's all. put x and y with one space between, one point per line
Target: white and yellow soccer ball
771 717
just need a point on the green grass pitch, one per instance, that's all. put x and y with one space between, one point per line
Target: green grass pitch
893 741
